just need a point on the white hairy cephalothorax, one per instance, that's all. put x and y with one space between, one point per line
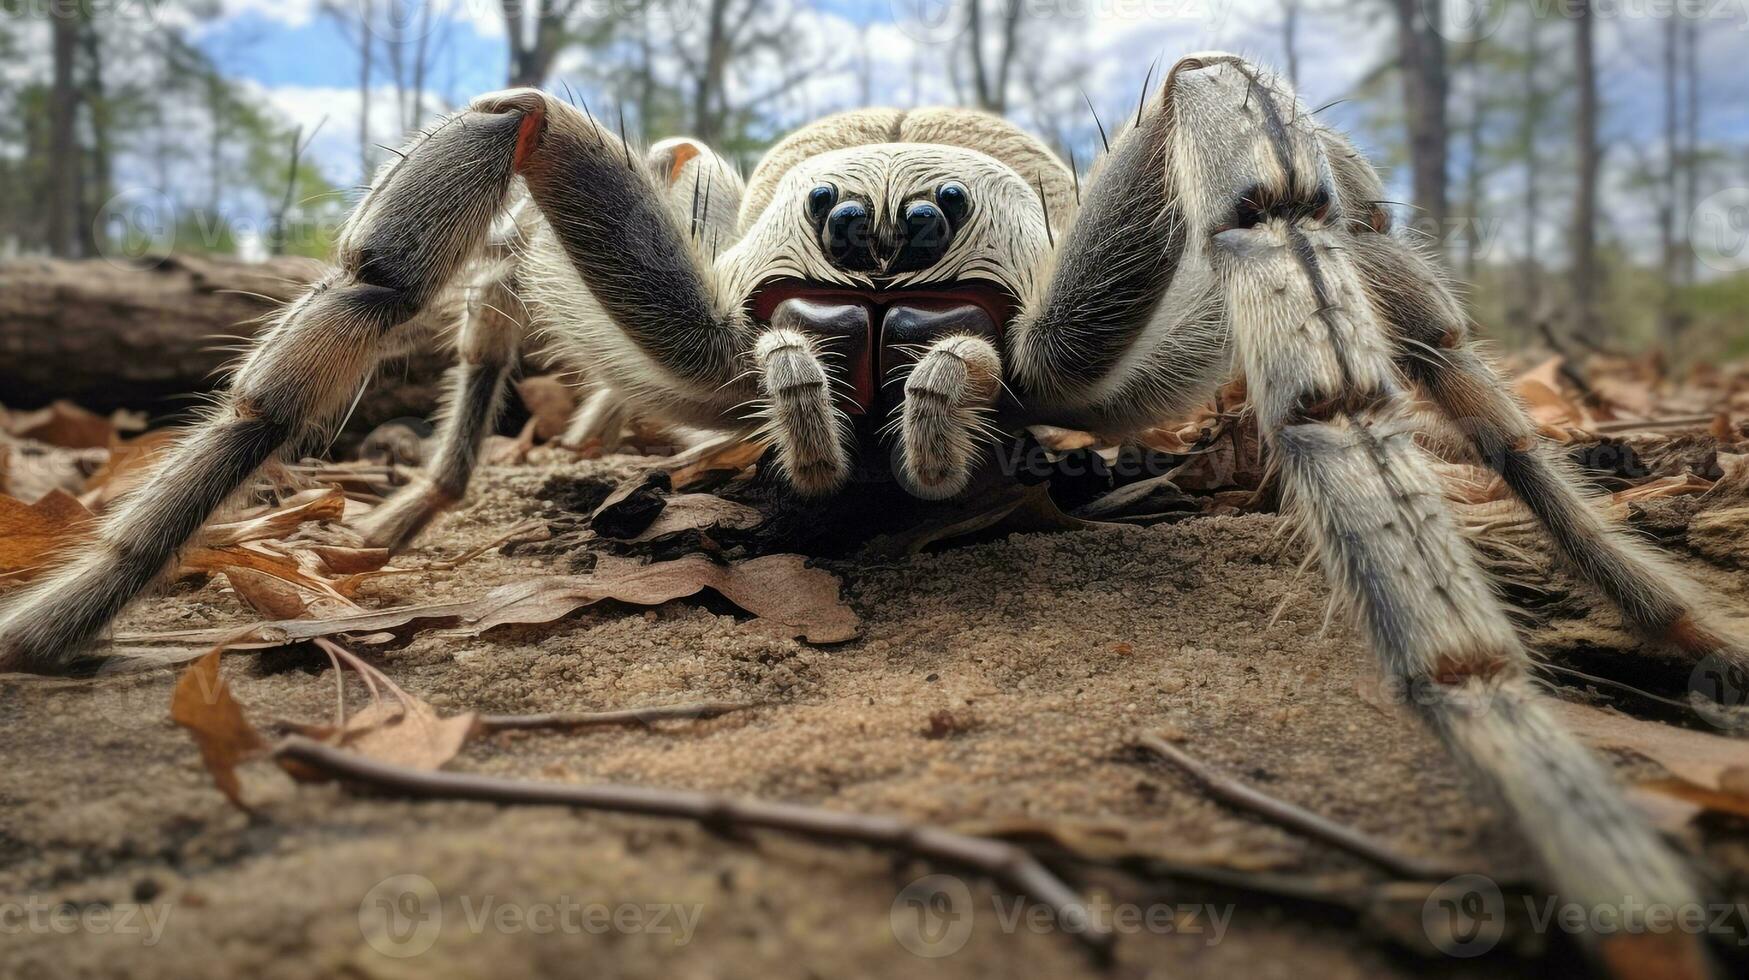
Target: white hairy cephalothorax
910 283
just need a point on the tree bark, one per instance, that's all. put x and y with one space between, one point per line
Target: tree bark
107 336
1421 56
63 148
1584 262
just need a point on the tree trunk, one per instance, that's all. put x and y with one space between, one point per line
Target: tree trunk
63 160
1668 195
1584 261
108 337
1530 134
1421 55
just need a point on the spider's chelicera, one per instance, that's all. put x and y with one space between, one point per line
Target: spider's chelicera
916 282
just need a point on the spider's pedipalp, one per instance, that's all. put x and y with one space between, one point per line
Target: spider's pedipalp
939 424
797 403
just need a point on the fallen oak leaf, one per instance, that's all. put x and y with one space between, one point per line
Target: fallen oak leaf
203 704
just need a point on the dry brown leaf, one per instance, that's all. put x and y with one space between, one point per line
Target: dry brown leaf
278 598
69 426
550 401
1540 388
730 455
1062 440
700 512
403 730
32 535
202 703
130 463
337 560
258 558
505 451
322 504
1707 770
788 597
1680 485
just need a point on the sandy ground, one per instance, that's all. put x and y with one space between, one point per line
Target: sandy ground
1048 652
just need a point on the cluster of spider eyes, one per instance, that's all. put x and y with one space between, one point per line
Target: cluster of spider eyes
924 226
952 197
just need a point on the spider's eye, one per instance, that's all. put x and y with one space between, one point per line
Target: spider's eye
955 201
820 201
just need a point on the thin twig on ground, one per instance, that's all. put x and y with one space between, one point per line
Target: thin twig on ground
1234 793
1006 863
622 717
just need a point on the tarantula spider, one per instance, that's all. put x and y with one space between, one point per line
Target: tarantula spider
1224 227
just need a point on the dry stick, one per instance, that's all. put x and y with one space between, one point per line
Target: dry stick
1230 791
1001 861
647 717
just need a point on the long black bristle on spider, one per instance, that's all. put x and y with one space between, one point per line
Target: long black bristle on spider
1147 81
593 125
708 183
1327 105
570 96
626 143
695 222
1046 206
1075 172
1096 121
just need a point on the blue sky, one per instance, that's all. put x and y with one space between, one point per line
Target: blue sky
303 62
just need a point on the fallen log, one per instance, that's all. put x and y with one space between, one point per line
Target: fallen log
148 335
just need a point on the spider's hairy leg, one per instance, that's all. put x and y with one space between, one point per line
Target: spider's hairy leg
425 215
1118 331
1436 352
1322 377
487 344
703 193
940 419
796 398
626 289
